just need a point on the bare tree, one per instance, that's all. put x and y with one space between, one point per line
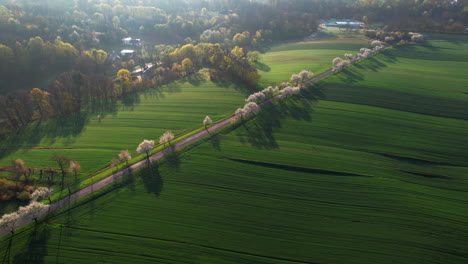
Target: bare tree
62 161
18 167
75 168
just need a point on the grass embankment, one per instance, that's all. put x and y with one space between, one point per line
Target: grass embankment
346 181
94 141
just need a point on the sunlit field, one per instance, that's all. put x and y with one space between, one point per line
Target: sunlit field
95 136
281 61
366 166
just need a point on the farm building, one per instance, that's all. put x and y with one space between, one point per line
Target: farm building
128 53
132 42
345 23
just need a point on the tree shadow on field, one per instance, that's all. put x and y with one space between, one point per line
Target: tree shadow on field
173 88
35 249
154 94
130 100
373 64
172 158
151 179
46 131
349 75
215 141
195 79
259 132
262 66
7 255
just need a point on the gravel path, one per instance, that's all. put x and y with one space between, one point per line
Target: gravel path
157 156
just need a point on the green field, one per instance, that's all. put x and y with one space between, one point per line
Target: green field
93 142
281 61
376 171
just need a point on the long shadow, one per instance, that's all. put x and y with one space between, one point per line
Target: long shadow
262 66
389 57
35 249
151 179
195 79
67 126
348 75
173 161
374 64
130 100
215 141
259 132
7 255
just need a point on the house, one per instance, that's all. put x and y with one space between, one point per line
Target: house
126 41
132 42
345 23
127 53
135 42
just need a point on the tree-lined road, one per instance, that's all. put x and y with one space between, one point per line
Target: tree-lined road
155 157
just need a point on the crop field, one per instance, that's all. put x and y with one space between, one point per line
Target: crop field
372 172
281 61
94 141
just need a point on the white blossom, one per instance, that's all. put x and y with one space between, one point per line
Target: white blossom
207 121
166 137
256 97
34 210
251 108
125 155
417 37
287 91
8 221
295 78
349 56
336 60
145 147
41 193
240 111
305 75
269 91
376 43
283 85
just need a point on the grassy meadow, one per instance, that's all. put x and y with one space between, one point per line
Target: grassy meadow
366 166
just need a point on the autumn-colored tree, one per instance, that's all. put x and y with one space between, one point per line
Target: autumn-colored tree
237 52
40 99
187 65
124 83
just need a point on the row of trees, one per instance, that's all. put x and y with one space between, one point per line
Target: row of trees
284 89
36 209
32 211
376 45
